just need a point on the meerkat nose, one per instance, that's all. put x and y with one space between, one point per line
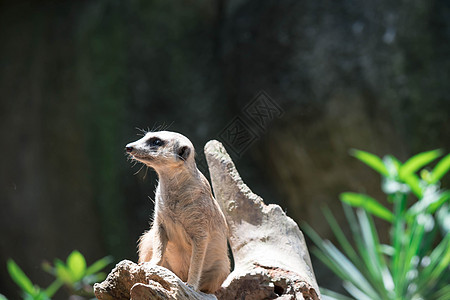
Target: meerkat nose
129 149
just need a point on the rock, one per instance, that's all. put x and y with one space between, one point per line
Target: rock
269 250
129 280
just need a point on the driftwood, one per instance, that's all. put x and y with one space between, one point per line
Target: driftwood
129 280
269 251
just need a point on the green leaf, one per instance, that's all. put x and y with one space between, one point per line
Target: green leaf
417 162
368 203
62 272
340 236
413 181
379 271
357 292
328 294
47 267
2 297
397 235
40 296
53 288
356 234
20 278
354 275
439 261
442 167
444 198
76 265
441 294
413 240
338 263
371 160
99 265
329 263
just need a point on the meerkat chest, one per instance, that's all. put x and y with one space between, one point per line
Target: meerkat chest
173 215
175 229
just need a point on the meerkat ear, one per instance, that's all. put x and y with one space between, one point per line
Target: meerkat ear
183 152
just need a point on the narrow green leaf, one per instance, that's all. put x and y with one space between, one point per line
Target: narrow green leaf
76 265
444 263
368 203
357 293
328 294
20 278
438 261
320 250
442 167
371 160
53 288
355 276
337 262
397 237
428 242
340 236
356 234
380 272
47 267
413 181
417 162
312 234
99 265
334 267
441 294
413 241
2 297
40 296
444 198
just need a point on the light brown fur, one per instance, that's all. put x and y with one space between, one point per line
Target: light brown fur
189 231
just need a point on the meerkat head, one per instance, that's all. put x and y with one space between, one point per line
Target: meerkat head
162 150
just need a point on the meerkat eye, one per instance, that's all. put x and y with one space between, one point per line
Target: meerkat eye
155 142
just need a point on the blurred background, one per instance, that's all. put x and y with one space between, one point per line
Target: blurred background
77 78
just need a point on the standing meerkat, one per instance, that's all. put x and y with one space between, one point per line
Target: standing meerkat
189 231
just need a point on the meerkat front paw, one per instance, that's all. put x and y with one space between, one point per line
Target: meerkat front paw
190 286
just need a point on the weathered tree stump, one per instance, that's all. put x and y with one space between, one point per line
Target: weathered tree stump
270 254
129 280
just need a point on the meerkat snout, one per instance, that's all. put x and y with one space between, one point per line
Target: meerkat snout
128 149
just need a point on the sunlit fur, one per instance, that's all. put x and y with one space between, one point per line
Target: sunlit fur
189 232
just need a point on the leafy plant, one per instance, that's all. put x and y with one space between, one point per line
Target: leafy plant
415 264
29 290
74 274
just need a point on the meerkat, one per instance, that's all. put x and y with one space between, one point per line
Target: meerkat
189 232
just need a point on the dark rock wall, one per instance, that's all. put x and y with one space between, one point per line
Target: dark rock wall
77 78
